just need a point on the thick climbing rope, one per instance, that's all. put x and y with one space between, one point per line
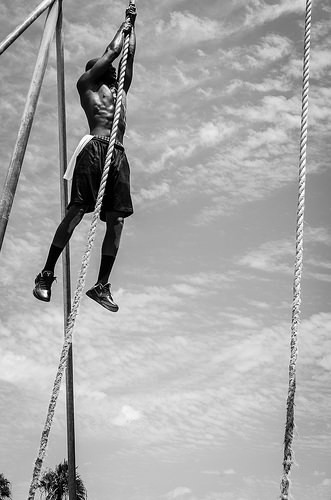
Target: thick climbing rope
290 426
81 279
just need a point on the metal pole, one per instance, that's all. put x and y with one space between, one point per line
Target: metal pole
66 257
22 27
15 166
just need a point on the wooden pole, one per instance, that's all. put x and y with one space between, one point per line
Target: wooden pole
15 166
66 257
22 27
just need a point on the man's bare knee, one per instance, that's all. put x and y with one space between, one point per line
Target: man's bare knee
113 218
77 217
118 226
119 221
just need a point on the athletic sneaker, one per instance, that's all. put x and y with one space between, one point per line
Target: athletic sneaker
43 284
101 294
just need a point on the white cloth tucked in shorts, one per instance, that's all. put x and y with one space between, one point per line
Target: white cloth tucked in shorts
71 165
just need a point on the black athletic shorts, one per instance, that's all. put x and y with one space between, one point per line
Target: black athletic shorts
87 177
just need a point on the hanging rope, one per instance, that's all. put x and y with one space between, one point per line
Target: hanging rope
81 279
289 429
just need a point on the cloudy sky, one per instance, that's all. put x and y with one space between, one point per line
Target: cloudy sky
182 393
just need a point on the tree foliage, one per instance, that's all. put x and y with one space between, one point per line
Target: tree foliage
5 488
54 484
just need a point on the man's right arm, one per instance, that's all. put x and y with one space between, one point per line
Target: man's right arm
112 51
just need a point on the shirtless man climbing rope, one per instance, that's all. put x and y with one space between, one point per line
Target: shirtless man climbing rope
97 89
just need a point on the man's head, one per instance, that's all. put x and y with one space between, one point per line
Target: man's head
111 73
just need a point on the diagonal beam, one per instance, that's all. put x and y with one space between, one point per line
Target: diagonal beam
15 165
22 27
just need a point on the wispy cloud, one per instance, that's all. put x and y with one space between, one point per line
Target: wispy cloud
260 12
278 256
188 29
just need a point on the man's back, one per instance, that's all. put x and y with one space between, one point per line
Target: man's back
98 100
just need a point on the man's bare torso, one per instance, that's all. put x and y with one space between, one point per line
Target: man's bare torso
98 101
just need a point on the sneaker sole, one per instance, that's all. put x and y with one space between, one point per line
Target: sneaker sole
106 306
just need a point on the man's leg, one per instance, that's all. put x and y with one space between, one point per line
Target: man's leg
110 245
63 234
44 280
101 291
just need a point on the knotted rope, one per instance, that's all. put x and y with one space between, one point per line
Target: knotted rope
81 279
289 429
